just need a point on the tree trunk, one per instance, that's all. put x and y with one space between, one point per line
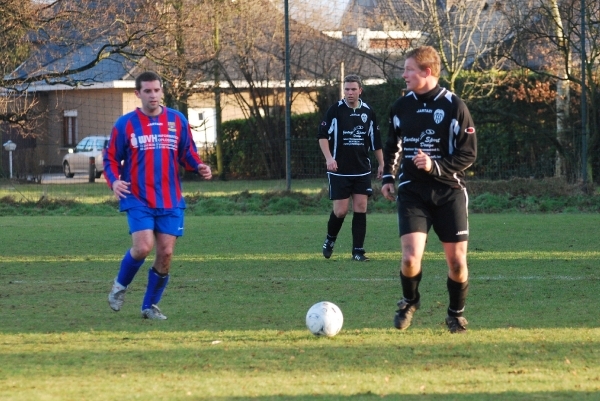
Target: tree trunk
563 97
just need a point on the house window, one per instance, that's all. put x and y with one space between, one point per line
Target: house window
70 131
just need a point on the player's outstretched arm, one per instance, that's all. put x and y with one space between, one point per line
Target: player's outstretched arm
205 171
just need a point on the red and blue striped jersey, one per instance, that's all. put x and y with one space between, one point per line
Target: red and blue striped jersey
147 152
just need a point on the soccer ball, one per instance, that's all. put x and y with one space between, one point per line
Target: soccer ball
324 319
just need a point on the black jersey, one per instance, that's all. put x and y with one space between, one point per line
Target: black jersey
351 134
439 124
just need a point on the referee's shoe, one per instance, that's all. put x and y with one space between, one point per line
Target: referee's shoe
328 248
358 255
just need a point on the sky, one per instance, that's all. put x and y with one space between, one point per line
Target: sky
320 14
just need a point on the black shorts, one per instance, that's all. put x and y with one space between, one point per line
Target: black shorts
421 206
343 186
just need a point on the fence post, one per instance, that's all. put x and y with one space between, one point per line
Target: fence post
92 170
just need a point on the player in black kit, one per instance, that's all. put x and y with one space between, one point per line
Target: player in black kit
346 135
434 131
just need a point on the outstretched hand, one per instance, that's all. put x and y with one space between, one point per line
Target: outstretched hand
204 171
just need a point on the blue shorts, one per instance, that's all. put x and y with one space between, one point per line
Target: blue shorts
165 221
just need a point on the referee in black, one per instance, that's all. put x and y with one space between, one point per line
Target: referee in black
346 135
433 132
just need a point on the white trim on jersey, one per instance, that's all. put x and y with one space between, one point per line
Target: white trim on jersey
453 132
442 93
372 135
333 129
347 175
437 168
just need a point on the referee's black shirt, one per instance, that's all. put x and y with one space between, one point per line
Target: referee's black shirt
351 134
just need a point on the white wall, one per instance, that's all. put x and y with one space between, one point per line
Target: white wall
203 124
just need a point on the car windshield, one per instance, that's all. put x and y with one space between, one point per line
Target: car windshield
100 143
82 146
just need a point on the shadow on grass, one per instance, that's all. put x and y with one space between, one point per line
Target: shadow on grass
512 396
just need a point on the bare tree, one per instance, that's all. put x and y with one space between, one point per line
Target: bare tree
252 64
180 46
56 43
18 20
464 32
547 40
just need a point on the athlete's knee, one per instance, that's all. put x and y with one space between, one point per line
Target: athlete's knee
410 262
457 267
360 208
141 251
340 214
164 252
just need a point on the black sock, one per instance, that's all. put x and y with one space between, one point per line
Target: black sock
334 225
359 231
457 293
410 287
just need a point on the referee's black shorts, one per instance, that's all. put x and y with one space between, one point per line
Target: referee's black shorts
343 186
423 205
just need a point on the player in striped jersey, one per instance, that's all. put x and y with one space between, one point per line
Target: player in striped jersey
141 167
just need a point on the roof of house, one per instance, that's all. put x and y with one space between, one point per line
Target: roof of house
49 62
315 58
70 51
383 15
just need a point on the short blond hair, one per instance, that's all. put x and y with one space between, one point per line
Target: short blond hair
426 57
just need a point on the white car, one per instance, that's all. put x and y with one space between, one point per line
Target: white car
77 161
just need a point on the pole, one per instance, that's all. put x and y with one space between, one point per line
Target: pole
584 122
288 101
342 72
92 170
10 162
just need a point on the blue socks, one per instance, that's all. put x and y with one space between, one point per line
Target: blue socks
156 286
156 281
128 270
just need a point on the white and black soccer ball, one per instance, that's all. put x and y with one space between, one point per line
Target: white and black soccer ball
324 319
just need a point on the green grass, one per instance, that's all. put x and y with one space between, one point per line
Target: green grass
239 292
269 197
98 192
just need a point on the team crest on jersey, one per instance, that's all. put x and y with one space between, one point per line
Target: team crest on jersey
438 116
172 127
133 141
363 117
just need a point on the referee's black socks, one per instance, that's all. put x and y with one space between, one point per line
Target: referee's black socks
334 225
410 287
458 295
359 230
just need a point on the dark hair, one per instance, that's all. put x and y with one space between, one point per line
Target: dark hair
147 76
353 78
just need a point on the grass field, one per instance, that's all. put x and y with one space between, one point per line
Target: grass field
98 192
239 292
